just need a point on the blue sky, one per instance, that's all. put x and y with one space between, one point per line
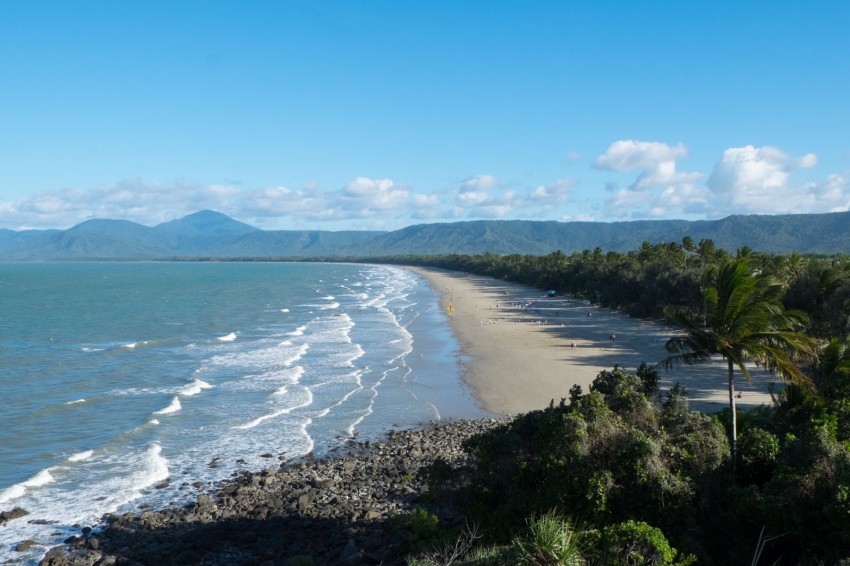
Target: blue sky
382 114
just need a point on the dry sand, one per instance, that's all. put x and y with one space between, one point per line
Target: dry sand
523 349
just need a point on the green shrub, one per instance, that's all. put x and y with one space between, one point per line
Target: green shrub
416 531
634 543
808 498
550 541
610 456
757 452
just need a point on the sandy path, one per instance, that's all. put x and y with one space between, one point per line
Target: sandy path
525 349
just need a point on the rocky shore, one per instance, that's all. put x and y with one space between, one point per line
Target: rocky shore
333 510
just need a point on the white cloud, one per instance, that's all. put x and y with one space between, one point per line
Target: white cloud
760 180
361 198
632 155
135 200
557 192
479 183
364 197
474 194
656 162
311 202
485 196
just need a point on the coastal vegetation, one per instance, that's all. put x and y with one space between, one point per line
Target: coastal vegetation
769 486
626 473
638 478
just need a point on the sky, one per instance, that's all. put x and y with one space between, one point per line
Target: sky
376 115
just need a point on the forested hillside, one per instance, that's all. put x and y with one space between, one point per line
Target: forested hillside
209 234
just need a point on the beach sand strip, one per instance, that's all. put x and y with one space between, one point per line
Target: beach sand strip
523 349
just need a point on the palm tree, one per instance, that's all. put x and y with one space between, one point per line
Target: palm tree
745 321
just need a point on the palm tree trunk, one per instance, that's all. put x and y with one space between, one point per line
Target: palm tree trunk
733 437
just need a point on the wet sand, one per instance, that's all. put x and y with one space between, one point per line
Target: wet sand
523 349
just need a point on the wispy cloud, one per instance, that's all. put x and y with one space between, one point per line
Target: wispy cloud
644 181
656 163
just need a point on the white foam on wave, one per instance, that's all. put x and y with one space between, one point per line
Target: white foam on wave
80 456
153 421
323 306
12 492
74 402
284 310
130 345
262 419
296 355
172 407
298 331
227 338
155 468
41 478
195 387
294 377
356 378
18 490
359 352
307 401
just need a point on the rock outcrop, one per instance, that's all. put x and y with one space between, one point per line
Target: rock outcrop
331 510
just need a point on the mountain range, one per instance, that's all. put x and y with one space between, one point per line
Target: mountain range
209 234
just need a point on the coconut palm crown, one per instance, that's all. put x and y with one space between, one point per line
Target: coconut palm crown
744 321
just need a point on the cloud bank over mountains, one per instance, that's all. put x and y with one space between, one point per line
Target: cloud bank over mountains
642 180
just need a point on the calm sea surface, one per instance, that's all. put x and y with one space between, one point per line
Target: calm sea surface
118 377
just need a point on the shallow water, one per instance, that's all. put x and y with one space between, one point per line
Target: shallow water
118 377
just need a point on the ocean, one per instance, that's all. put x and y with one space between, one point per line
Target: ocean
133 384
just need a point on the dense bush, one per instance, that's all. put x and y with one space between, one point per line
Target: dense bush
633 543
612 456
635 471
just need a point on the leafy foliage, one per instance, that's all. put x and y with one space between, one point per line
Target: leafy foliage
645 475
551 541
634 543
744 321
417 531
612 456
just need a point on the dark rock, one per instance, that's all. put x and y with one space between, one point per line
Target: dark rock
23 546
55 557
331 509
15 513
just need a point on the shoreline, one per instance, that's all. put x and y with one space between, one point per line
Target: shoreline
337 509
518 350
521 349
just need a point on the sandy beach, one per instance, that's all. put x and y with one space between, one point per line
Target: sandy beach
522 349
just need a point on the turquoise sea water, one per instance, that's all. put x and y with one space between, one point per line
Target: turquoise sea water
118 377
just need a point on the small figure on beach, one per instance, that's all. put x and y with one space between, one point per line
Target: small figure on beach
572 345
612 337
589 314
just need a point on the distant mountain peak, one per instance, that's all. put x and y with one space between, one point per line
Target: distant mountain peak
209 223
211 234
